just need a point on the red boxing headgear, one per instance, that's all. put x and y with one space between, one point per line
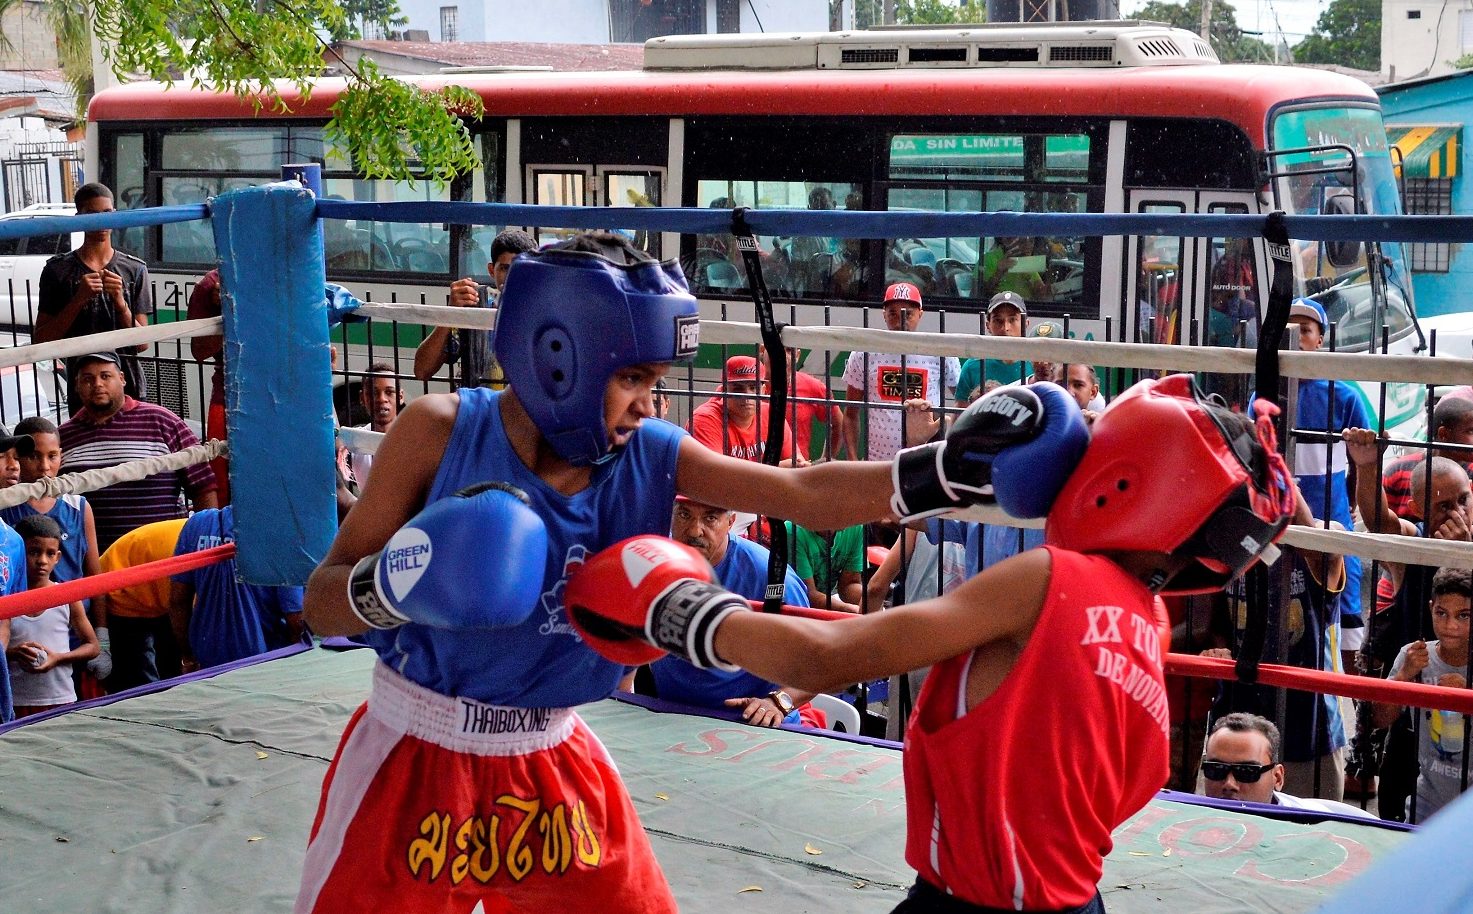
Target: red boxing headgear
1210 487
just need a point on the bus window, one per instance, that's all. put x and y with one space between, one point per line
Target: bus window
802 266
484 187
1234 300
1158 282
559 187
1318 182
634 188
358 245
128 168
193 242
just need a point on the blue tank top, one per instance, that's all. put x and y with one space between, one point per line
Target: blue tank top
69 513
541 663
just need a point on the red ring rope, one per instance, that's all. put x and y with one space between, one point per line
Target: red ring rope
20 604
1367 688
1414 694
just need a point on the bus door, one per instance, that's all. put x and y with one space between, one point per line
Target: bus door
1161 303
597 185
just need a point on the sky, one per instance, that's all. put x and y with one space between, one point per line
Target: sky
1294 19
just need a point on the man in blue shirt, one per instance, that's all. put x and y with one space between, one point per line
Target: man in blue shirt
1320 468
218 619
741 567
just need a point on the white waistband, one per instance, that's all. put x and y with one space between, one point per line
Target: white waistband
463 724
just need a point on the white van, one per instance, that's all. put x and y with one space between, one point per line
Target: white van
21 262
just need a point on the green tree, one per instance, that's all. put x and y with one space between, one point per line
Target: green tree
358 14
1348 33
870 13
1228 39
391 128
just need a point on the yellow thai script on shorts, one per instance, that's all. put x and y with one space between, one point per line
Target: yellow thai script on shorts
519 837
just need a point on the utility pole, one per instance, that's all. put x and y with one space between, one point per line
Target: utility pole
1207 21
889 12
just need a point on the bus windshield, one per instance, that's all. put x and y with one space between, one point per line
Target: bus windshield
1324 179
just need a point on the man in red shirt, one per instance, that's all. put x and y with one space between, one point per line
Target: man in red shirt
1042 725
803 390
736 425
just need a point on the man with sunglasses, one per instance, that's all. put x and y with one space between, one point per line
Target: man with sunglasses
1241 763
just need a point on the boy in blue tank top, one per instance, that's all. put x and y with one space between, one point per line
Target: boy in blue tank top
468 754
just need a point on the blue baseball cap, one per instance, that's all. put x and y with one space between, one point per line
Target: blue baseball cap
1308 307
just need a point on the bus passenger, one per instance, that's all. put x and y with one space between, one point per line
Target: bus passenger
472 348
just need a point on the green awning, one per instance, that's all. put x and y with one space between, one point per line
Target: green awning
1427 151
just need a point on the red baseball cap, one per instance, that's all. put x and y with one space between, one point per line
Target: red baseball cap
903 291
741 368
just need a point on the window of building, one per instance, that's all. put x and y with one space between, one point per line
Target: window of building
1429 197
1414 14
1465 30
449 23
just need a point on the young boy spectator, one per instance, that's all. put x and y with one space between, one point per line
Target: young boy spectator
736 425
382 399
1442 662
471 349
1007 315
39 648
1452 423
78 532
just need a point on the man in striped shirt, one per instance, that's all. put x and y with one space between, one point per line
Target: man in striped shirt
113 428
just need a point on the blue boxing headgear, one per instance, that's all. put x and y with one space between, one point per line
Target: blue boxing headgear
569 319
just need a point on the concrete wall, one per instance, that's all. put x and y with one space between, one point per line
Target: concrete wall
34 43
1422 37
1441 101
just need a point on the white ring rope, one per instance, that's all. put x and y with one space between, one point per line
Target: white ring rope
1368 366
111 339
102 477
1384 547
1408 369
475 318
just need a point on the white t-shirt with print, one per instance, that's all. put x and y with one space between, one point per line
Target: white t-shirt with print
891 379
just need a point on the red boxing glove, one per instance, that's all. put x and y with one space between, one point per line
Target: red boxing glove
647 596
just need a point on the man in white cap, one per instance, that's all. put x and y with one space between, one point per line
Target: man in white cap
886 381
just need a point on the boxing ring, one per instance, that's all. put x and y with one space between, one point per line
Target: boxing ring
200 794
200 797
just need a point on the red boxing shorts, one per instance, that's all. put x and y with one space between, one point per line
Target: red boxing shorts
441 804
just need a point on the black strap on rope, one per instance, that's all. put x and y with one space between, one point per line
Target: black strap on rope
777 404
1266 388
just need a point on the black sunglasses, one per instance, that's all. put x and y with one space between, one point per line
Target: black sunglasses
1243 772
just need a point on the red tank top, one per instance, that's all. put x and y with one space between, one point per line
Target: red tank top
1012 805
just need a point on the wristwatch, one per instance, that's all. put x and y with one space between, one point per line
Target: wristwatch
783 700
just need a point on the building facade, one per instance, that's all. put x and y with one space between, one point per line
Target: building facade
1425 121
605 21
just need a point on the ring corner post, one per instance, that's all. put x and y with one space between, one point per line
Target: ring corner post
278 395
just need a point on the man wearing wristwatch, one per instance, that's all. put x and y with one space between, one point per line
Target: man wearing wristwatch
741 566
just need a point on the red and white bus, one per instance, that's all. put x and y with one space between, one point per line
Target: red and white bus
1108 117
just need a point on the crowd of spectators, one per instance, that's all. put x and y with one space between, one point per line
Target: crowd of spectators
1322 750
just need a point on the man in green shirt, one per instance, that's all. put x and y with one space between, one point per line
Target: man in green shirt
831 564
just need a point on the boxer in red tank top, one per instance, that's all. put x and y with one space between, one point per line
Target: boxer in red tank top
1043 725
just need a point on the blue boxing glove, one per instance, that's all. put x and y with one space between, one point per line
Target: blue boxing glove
473 560
1016 445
